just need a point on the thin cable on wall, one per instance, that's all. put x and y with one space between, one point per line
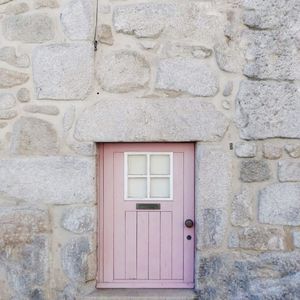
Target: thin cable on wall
96 25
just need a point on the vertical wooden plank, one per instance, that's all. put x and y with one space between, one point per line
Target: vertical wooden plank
142 245
178 218
166 245
130 245
119 217
154 245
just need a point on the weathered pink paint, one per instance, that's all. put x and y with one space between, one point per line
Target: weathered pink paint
145 248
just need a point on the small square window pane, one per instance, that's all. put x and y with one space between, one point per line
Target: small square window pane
137 188
160 164
160 188
137 164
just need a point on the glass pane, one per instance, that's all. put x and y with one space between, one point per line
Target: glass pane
160 188
160 164
137 164
137 188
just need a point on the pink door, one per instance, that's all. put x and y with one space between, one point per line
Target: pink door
146 232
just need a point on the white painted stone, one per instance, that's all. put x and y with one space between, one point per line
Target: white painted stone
23 95
245 149
16 8
104 34
122 71
63 71
279 204
7 101
242 208
187 75
180 20
28 28
69 117
288 170
296 239
229 58
266 109
8 55
137 120
213 177
45 3
48 179
42 109
292 150
77 19
79 219
272 151
8 114
10 78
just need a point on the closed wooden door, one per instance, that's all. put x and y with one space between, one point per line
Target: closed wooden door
146 232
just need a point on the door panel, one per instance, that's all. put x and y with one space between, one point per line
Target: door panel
145 246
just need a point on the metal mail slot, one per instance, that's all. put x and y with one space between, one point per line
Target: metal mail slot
147 206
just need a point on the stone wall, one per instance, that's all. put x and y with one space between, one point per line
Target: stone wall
222 73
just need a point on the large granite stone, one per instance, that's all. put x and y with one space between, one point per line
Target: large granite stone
9 78
137 120
181 20
245 149
279 204
288 170
189 75
266 109
122 71
48 179
28 28
63 71
254 170
34 136
77 19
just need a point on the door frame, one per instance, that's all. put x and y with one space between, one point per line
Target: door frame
100 211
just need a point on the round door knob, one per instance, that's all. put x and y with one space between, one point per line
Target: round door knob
189 223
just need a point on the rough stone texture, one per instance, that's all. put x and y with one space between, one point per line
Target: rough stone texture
74 259
272 151
170 19
4 1
177 119
8 55
23 95
211 228
77 19
245 149
186 50
88 149
229 58
47 179
272 208
28 28
123 71
260 238
288 170
292 150
8 114
265 276
105 35
186 75
63 71
45 3
296 239
272 55
10 78
242 208
7 101
20 224
16 9
228 88
34 136
79 219
42 109
254 171
268 109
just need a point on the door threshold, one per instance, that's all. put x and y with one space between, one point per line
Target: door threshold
141 294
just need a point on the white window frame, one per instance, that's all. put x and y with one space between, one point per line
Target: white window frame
148 176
